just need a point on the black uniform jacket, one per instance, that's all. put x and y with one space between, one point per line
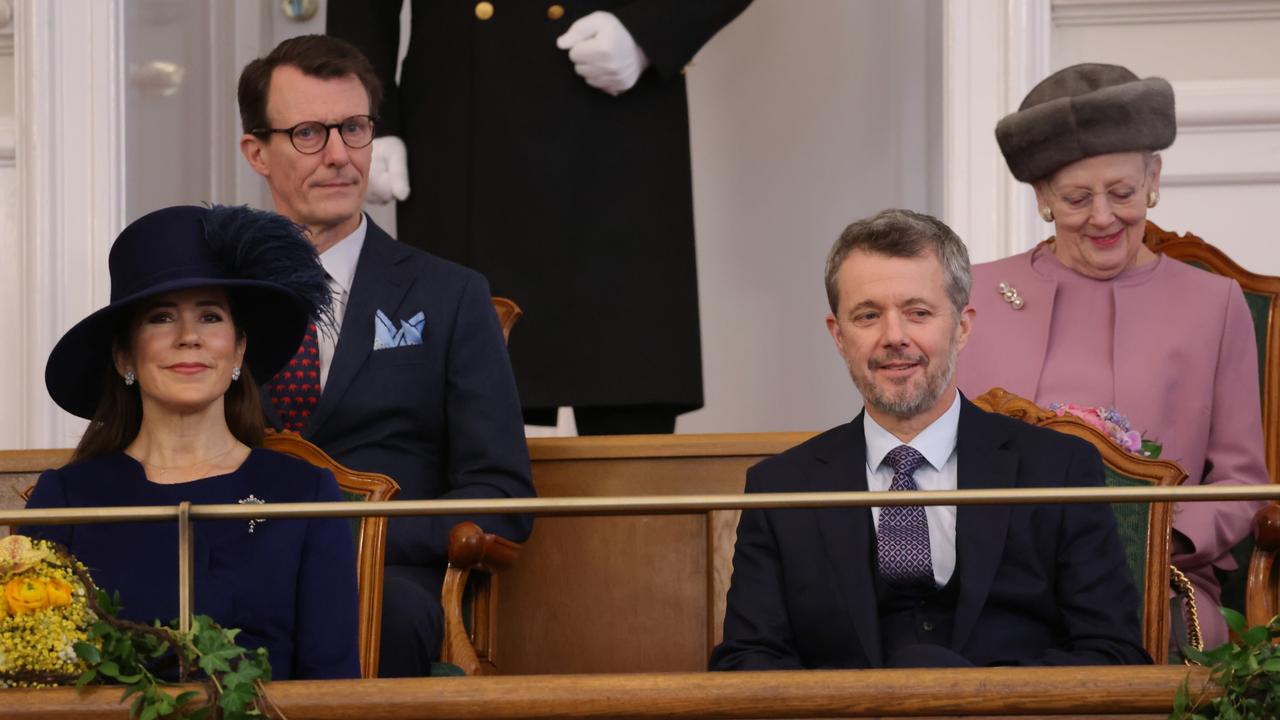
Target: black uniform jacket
574 203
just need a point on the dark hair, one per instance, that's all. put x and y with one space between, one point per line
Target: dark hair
903 234
321 56
118 417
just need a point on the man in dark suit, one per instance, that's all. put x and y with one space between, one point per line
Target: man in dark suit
548 147
910 586
412 380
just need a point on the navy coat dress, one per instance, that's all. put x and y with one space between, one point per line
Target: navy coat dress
289 585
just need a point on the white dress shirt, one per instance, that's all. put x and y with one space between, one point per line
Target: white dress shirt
339 263
937 443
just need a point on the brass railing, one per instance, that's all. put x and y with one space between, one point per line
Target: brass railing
185 512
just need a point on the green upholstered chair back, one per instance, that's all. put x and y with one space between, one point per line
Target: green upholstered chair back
1144 527
370 534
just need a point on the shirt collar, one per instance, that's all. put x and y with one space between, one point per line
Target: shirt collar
935 443
341 258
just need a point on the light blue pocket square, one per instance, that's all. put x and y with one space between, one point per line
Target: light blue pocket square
387 335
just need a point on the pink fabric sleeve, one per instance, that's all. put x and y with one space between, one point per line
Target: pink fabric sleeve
1235 447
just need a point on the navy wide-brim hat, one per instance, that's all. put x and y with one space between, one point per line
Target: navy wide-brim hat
265 263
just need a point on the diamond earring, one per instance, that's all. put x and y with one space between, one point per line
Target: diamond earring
235 373
1153 198
130 378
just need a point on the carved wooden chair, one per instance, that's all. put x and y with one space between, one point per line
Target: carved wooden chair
1144 528
1246 590
508 314
370 535
469 595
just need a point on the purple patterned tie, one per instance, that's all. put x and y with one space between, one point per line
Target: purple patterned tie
902 539
295 390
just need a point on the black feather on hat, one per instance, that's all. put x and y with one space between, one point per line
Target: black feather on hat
263 261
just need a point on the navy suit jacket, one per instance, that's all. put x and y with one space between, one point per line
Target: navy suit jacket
441 418
1038 584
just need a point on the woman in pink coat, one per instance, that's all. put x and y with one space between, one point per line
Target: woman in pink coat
1092 317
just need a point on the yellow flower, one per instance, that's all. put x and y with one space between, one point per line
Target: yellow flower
58 591
25 595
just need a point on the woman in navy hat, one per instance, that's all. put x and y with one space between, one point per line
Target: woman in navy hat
203 300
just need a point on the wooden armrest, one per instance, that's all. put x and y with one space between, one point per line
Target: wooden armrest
471 548
1262 589
1266 528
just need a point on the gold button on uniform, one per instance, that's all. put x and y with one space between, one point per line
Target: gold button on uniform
555 12
484 10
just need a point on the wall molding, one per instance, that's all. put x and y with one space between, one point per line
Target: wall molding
6 27
1228 134
1068 13
1222 104
69 87
8 141
994 51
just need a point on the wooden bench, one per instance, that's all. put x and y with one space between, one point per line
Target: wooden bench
626 594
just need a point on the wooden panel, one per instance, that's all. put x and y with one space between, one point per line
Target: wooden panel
972 692
19 470
625 594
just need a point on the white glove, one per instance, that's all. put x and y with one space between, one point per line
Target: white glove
603 52
388 171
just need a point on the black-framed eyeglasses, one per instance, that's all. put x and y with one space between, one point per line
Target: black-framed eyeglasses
310 137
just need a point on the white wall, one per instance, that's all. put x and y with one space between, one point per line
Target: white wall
9 362
804 117
1222 174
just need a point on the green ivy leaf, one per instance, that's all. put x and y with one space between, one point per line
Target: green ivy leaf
87 652
85 678
1235 620
1255 635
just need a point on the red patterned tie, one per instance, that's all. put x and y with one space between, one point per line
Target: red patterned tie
295 390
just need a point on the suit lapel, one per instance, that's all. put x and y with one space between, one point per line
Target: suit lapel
980 529
380 283
847 533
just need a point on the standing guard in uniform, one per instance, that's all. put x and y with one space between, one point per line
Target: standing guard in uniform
548 148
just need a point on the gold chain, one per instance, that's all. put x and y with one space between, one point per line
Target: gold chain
1183 586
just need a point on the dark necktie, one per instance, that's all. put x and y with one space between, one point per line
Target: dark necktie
295 390
902 539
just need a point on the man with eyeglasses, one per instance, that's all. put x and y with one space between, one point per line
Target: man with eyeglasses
413 379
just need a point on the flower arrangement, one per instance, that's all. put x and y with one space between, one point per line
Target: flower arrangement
1112 424
56 627
44 613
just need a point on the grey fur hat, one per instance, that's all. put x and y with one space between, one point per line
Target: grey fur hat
1086 110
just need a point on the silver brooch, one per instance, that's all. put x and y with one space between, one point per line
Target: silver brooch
252 500
1010 295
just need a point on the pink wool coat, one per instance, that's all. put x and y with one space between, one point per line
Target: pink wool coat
1186 373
